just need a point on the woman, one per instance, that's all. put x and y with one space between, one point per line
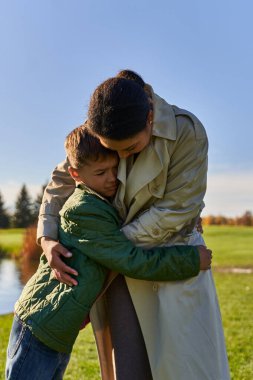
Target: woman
162 176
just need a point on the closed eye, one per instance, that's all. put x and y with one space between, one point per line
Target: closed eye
100 173
130 148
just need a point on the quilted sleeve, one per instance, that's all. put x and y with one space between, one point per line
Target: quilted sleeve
96 233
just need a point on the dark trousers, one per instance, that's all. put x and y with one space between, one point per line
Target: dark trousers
131 359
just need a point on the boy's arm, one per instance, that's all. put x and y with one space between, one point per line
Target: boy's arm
99 237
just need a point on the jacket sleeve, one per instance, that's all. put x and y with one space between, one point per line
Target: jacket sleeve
100 238
182 201
56 193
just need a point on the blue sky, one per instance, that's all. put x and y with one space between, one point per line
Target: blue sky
196 54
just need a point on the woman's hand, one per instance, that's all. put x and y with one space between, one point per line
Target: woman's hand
53 251
205 256
199 225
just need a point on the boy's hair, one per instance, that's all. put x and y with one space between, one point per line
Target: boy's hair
81 146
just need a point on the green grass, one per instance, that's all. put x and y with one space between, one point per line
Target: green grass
231 246
84 362
11 241
5 325
235 293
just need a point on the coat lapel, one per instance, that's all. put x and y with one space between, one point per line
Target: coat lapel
146 167
119 198
134 176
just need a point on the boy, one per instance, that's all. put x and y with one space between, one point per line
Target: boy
48 314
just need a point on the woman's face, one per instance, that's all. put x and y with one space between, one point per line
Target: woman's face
132 145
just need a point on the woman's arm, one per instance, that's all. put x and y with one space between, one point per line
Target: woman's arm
56 193
182 201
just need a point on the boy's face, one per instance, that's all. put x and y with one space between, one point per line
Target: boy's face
100 175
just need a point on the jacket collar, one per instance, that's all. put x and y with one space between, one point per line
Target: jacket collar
88 190
164 120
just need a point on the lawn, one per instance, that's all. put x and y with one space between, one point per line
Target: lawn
232 246
235 292
11 241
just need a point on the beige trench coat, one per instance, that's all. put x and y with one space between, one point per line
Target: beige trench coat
160 198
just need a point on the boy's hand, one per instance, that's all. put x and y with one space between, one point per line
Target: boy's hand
53 251
205 256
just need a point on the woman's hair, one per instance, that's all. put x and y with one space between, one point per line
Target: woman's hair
81 147
119 107
132 75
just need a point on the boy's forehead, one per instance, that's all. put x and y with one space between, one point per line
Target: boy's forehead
104 161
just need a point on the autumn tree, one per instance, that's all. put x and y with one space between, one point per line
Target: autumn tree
247 219
208 220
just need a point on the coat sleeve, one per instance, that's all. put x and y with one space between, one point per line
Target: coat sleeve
56 193
182 201
99 237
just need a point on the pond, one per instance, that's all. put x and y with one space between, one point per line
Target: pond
13 276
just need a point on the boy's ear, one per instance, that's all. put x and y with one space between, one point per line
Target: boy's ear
74 174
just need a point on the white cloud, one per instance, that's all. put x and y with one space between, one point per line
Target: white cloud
11 189
229 194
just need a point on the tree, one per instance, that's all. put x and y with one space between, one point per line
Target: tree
247 218
4 217
36 204
210 219
23 216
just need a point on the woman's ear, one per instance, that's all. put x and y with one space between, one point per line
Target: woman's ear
74 173
150 117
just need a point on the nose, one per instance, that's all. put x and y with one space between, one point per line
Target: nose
112 176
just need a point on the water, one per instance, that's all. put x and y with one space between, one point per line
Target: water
10 285
12 280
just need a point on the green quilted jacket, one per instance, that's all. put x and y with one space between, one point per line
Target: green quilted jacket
90 229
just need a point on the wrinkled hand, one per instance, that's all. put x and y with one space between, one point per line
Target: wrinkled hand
199 226
205 256
53 251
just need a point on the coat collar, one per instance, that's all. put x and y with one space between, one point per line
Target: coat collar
150 162
164 120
